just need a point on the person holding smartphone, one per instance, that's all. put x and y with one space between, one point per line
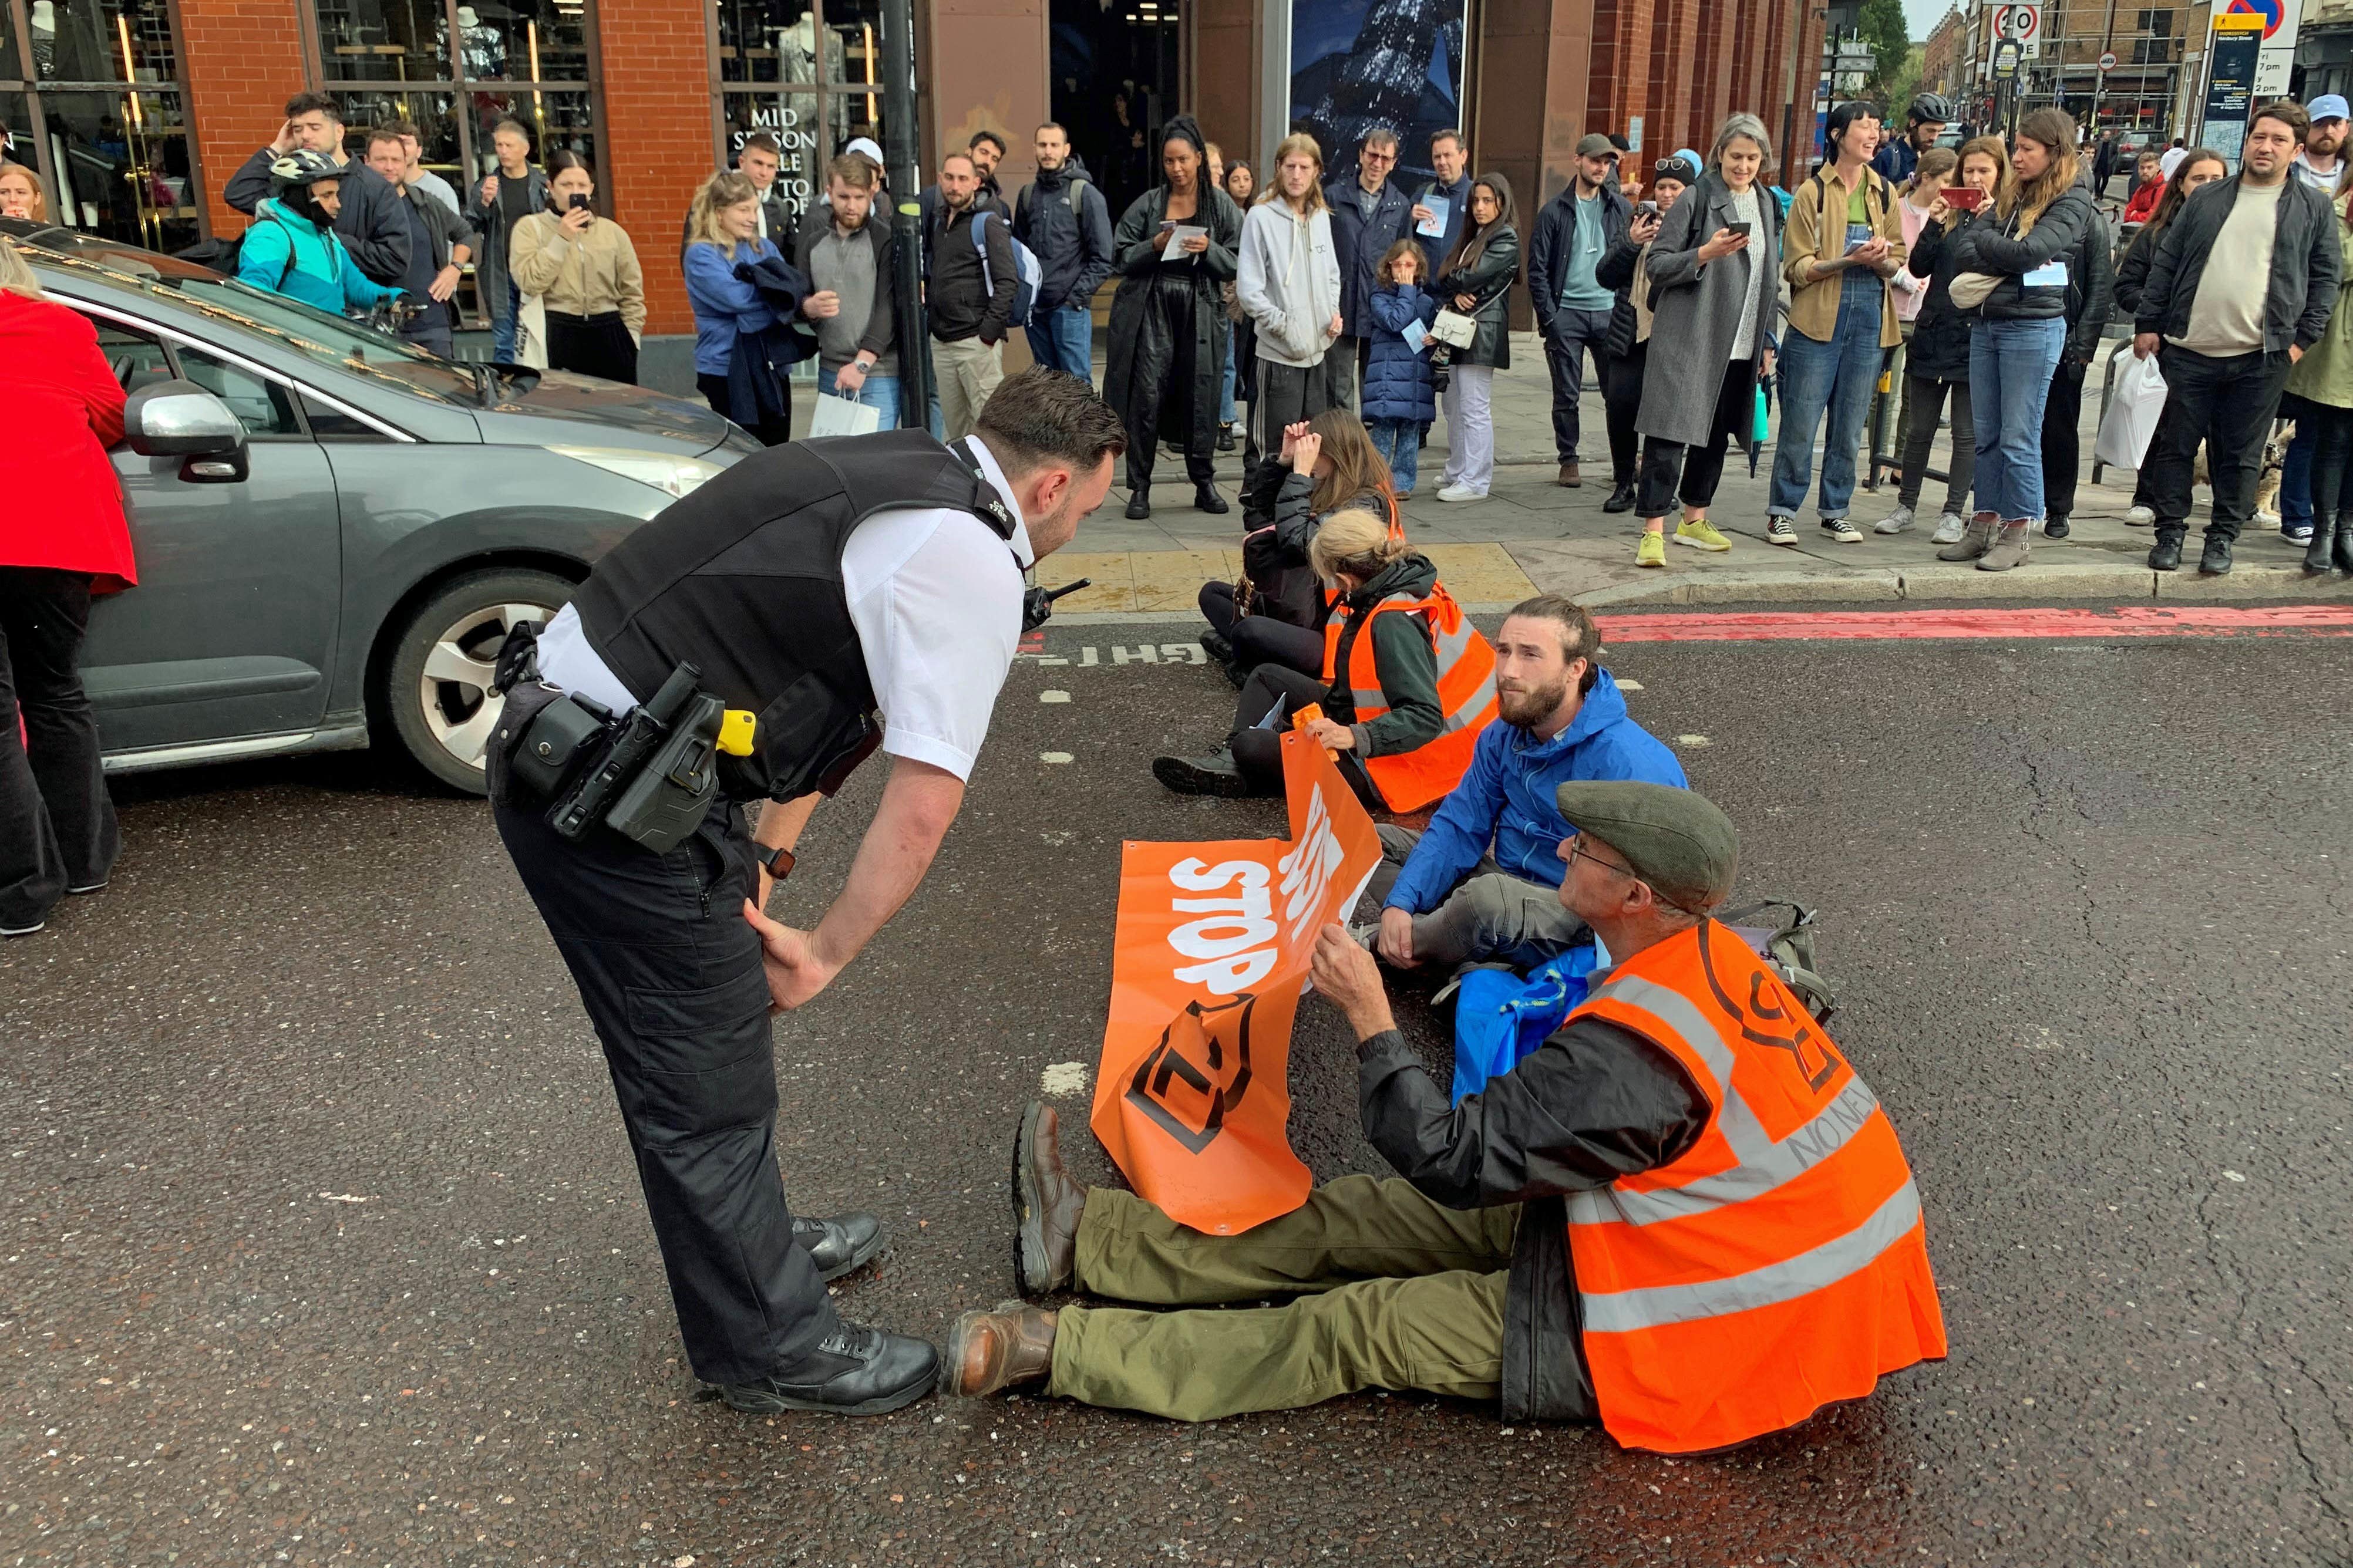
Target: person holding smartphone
1938 367
1845 241
583 271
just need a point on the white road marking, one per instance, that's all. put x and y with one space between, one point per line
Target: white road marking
1056 757
1064 1079
1053 697
1693 742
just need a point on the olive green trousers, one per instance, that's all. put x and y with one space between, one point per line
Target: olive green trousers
1394 1291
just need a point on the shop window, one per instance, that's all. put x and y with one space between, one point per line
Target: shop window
767 40
384 40
799 72
94 110
101 40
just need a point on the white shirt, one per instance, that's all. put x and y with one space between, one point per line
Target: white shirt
936 598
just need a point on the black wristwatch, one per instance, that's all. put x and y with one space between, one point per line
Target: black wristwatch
778 863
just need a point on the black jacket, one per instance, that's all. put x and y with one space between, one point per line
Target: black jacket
373 228
2091 290
1142 355
1548 249
1283 581
1995 246
1405 659
1489 283
1595 1103
2305 257
1457 197
961 304
447 228
2132 271
1360 242
881 324
1618 271
1940 333
1072 239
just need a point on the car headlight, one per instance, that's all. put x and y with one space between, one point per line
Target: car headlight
672 476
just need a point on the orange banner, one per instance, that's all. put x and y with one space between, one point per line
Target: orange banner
1210 958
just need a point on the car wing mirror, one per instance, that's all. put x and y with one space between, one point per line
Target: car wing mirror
181 419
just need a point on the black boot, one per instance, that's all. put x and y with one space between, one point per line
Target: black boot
2344 545
839 1246
1139 502
2319 555
855 1370
1216 774
1621 499
2214 561
2165 555
1206 498
1217 647
1225 437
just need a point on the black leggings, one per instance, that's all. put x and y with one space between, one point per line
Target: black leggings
1261 639
57 826
1259 752
1700 466
774 429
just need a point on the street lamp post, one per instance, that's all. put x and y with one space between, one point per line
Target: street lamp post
899 149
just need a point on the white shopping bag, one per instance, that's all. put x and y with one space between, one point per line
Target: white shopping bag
2134 403
843 416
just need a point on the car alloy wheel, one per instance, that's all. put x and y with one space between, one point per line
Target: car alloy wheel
454 690
437 689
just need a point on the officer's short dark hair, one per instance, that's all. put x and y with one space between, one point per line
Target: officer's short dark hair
1043 418
1579 638
304 103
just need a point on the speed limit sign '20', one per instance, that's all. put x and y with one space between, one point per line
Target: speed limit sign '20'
2021 25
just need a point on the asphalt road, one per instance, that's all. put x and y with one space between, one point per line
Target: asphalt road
322 1243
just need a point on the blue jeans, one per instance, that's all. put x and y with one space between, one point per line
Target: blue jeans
1066 341
2010 381
877 392
1226 394
502 328
1836 376
1399 441
2295 470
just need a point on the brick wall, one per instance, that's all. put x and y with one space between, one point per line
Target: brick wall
241 59
1618 83
657 144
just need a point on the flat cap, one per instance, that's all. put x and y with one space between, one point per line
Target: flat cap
1596 146
1676 840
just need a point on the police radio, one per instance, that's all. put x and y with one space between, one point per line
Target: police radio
1037 604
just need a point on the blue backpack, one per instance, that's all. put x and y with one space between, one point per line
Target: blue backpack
1027 274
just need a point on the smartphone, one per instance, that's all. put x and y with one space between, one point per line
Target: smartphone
1739 229
1968 198
1646 209
577 202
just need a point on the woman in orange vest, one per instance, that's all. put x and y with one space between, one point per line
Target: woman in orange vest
1407 682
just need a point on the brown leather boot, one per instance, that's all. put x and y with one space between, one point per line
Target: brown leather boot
1976 541
1046 1201
2008 547
1568 474
993 1351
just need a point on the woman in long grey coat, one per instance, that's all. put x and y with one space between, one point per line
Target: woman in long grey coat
1169 338
1714 285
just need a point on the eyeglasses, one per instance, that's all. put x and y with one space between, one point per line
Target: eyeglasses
1377 156
1577 851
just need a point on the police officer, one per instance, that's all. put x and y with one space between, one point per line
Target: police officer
852 593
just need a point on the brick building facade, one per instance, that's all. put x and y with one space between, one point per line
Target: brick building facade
138 111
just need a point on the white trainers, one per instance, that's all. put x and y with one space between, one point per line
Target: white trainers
1949 529
2140 517
1460 492
1895 522
1778 532
1839 531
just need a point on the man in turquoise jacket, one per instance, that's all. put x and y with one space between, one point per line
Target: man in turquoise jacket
292 246
1483 881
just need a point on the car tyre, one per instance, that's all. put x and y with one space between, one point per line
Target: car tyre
435 692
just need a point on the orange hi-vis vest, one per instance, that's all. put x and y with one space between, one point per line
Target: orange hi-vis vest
1779 1263
1466 695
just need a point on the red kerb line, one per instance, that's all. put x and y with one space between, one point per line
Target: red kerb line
2129 621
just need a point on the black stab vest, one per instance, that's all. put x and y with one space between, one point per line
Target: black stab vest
742 580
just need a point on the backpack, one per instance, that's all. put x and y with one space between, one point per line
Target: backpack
1027 272
1787 950
1073 195
221 255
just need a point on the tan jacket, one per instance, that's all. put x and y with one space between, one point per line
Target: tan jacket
585 276
1814 304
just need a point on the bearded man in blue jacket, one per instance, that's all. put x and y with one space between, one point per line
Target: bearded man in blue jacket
1483 881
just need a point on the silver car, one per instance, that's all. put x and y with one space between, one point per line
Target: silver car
333 530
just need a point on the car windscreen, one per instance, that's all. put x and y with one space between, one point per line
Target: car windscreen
314 334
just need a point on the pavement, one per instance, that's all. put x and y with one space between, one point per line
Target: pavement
1531 535
322 1243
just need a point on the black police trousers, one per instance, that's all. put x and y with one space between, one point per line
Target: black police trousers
670 974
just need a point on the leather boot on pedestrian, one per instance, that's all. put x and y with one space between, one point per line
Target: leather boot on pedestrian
854 1371
1139 505
1206 498
993 1351
1217 773
838 1247
1046 1205
1568 474
1620 498
2214 561
1973 544
2008 547
2343 546
2165 555
2320 554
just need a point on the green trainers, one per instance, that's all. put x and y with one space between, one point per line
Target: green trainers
1652 550
1700 534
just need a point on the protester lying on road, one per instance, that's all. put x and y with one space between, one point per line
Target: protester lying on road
1725 1285
1407 682
1484 881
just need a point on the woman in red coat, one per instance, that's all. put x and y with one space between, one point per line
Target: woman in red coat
62 538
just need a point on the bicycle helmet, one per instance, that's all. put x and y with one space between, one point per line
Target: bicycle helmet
303 168
1927 106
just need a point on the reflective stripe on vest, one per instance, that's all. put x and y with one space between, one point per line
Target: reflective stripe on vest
1777 1264
1466 694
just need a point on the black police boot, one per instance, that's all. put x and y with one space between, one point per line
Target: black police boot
1047 1204
2165 555
1206 498
1216 774
1621 499
1139 502
854 1371
839 1246
2214 561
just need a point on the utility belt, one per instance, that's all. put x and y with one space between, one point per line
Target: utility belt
649 774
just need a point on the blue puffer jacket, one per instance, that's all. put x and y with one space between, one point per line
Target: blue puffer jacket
1398 382
1506 799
